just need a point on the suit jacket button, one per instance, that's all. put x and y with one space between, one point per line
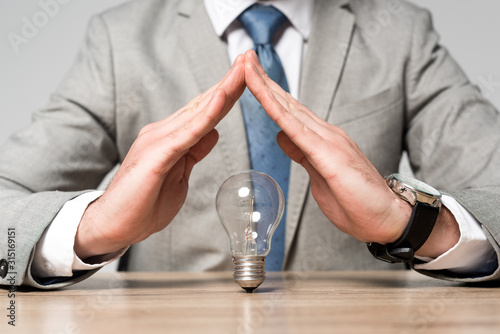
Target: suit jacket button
4 268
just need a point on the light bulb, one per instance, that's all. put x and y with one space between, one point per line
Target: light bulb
250 205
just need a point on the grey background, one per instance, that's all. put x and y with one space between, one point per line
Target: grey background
27 78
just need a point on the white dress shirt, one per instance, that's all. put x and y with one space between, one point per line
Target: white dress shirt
55 255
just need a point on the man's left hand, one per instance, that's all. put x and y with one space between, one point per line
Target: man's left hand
347 187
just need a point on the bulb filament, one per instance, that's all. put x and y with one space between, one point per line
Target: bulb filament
250 246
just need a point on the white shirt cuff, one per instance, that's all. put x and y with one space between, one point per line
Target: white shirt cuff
54 253
473 254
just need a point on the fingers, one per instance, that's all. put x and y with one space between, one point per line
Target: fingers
291 111
171 146
280 106
233 85
314 137
296 139
202 116
173 137
263 82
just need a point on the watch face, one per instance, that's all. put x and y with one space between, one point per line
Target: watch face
417 185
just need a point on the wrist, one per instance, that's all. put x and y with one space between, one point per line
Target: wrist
445 235
401 216
89 241
425 202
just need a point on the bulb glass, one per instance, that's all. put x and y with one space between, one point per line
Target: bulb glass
250 206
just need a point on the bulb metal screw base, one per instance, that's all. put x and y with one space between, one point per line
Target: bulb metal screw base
249 271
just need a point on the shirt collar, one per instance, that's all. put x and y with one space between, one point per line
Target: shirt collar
223 12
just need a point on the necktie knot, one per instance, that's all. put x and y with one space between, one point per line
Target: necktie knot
262 22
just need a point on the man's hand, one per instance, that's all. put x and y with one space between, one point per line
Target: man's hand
347 187
151 185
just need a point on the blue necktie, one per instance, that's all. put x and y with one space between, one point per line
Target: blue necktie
262 23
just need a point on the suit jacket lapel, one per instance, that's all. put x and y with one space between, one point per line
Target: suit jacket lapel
330 37
209 61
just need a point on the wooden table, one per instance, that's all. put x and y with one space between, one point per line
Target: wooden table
328 302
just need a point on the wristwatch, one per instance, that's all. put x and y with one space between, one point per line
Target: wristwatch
426 203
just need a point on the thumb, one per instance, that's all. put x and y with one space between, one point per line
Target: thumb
289 147
200 150
296 154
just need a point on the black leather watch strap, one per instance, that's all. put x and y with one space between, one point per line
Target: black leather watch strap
422 220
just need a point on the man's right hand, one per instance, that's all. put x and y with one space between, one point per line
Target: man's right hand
151 185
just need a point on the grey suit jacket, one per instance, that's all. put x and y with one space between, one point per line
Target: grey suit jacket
374 68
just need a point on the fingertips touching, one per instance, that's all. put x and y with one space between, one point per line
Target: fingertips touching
240 59
234 82
251 56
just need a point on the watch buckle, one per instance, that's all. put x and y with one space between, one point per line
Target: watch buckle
402 254
391 255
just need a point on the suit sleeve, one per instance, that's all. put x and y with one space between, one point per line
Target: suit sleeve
67 150
453 136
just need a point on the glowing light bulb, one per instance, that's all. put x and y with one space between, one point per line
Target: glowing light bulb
250 205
